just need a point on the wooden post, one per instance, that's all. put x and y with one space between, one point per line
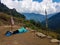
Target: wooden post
12 22
46 22
46 19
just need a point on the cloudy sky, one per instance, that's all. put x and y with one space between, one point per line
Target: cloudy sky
34 6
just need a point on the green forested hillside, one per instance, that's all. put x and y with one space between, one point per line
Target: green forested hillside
6 13
54 21
13 12
5 19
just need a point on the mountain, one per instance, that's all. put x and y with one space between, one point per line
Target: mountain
54 21
6 13
5 19
36 17
13 12
19 19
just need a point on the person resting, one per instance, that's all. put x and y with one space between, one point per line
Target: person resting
21 30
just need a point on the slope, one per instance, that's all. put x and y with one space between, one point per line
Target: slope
54 22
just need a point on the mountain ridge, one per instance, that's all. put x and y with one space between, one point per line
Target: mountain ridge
36 17
54 21
13 12
6 13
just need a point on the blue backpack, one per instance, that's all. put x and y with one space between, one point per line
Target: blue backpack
8 33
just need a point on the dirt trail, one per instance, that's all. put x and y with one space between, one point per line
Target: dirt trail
22 39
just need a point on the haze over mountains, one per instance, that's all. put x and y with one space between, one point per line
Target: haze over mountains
33 16
36 17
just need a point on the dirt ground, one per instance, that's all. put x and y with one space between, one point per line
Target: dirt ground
22 39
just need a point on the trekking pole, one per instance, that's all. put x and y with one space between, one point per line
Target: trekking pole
12 21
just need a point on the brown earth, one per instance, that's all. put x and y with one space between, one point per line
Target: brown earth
22 39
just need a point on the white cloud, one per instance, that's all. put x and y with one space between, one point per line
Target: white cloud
30 6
